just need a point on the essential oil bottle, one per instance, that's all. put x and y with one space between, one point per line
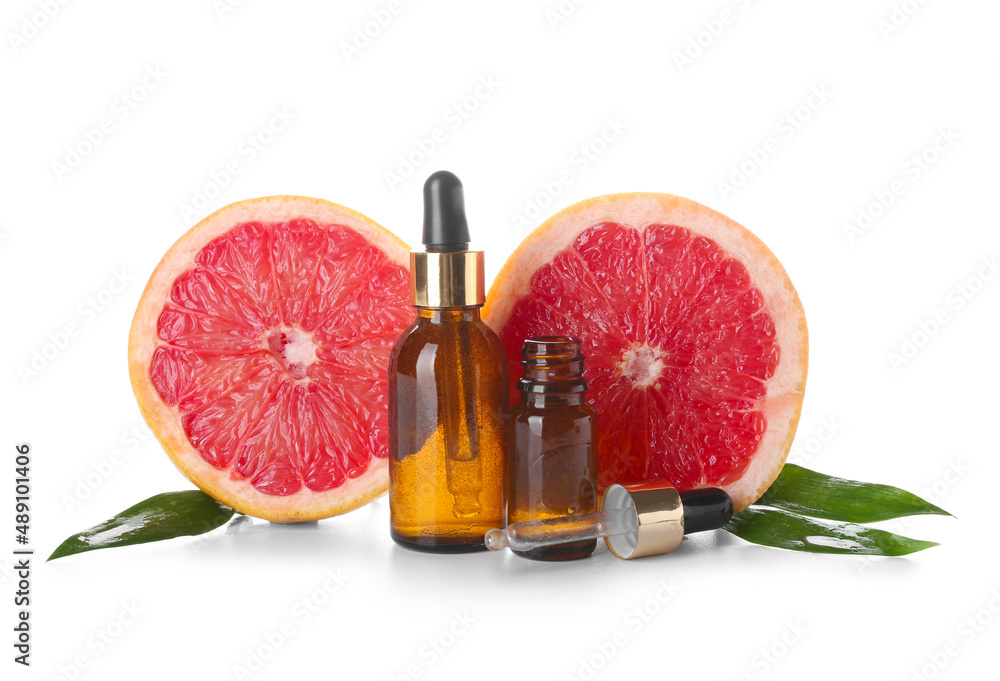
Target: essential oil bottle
552 464
448 392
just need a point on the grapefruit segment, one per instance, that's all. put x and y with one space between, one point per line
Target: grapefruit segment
695 338
259 354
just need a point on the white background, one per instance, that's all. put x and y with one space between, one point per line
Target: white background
739 611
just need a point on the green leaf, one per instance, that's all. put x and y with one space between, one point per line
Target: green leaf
164 516
784 530
817 495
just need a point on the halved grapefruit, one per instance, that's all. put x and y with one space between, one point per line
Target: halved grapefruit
695 339
259 354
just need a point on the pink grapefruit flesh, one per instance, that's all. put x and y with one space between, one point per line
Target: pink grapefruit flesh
259 355
694 337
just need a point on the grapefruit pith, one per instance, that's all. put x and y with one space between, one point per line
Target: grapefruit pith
695 339
259 353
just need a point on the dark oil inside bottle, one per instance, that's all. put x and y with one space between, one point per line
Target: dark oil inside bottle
447 424
552 462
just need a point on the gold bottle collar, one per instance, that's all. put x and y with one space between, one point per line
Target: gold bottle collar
448 279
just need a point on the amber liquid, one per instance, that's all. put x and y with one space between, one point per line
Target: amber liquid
552 463
448 389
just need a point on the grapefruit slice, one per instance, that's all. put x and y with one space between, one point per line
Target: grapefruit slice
259 355
695 339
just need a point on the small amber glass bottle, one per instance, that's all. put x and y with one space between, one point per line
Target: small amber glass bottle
448 393
552 462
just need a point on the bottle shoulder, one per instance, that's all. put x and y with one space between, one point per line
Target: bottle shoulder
426 331
469 341
522 411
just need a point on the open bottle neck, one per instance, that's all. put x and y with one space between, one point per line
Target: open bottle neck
553 372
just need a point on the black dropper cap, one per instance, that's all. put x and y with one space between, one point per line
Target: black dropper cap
706 509
445 226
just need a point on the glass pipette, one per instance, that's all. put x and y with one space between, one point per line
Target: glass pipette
635 521
562 530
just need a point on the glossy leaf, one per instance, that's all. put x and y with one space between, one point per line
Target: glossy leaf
813 494
164 516
784 530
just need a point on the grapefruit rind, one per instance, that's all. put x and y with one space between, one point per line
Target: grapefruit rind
785 389
165 421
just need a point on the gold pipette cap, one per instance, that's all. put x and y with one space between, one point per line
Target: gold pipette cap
664 516
446 273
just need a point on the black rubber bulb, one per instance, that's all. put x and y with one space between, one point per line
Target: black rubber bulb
706 509
445 226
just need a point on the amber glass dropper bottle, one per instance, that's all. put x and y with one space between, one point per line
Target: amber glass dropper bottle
552 462
448 392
